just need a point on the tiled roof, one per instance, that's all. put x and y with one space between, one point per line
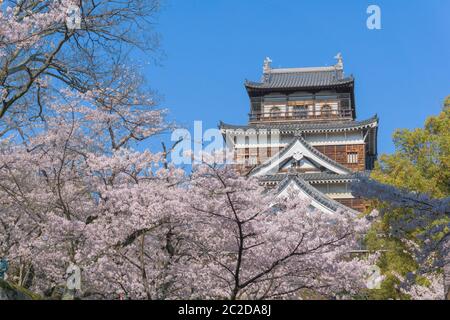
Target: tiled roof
301 78
308 147
311 177
313 193
306 126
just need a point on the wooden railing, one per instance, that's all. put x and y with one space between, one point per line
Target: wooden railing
301 115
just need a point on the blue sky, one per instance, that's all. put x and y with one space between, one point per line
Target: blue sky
211 46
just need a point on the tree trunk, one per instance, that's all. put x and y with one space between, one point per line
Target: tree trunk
12 292
447 281
447 268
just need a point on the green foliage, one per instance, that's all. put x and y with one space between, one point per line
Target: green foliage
420 163
394 259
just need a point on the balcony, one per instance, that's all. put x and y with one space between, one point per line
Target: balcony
302 115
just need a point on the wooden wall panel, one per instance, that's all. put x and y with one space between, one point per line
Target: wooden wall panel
339 154
356 203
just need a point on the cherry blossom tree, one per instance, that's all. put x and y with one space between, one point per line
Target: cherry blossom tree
432 289
85 46
249 244
139 229
73 191
136 246
51 184
215 235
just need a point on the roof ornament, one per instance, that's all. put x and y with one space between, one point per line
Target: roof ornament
340 63
267 65
298 155
291 171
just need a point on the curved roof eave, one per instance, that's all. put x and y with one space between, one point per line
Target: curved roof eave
259 86
328 161
315 194
306 127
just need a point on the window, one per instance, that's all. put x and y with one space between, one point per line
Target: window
250 160
301 111
297 164
275 112
326 110
352 157
253 161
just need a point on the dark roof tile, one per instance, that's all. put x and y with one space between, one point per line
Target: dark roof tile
306 126
314 193
301 78
306 145
316 176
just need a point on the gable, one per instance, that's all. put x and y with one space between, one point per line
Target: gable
297 150
293 189
296 186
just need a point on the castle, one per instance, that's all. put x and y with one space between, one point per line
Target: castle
303 135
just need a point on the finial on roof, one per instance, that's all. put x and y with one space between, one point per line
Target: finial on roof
267 65
340 63
298 155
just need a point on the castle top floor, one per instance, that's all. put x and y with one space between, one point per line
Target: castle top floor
319 94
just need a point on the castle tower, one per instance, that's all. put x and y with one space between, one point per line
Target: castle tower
303 134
